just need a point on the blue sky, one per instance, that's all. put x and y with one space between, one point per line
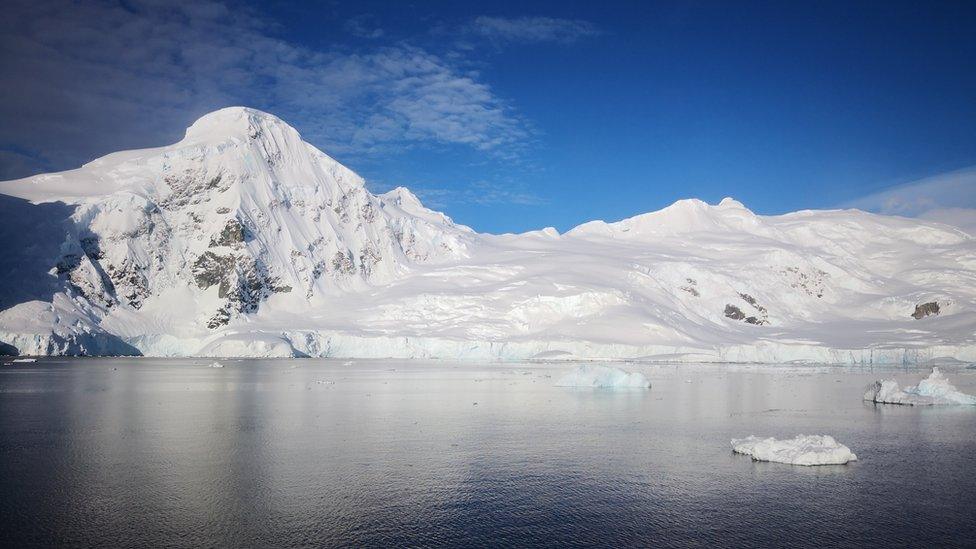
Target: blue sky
512 116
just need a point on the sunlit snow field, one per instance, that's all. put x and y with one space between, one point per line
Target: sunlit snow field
147 452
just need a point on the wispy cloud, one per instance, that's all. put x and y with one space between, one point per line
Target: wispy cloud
532 29
484 193
363 26
946 198
80 79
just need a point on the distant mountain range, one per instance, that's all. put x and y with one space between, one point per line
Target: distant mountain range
243 240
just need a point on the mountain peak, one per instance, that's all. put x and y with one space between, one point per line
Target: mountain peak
242 122
403 197
729 202
685 215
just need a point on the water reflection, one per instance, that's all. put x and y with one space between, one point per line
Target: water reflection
296 453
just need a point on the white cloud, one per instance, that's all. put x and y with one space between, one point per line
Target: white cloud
948 198
81 79
533 29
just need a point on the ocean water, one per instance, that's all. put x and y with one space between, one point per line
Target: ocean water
313 453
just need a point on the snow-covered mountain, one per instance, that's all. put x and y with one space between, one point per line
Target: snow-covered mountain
243 240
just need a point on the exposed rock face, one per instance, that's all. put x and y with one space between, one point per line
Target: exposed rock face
923 310
735 313
342 264
210 269
752 301
691 287
232 234
763 317
812 282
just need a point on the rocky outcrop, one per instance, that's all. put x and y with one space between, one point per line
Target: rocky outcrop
210 269
812 283
735 313
232 234
752 301
241 280
342 264
923 310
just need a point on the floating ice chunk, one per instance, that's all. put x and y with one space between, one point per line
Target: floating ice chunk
216 364
938 387
603 377
886 391
25 360
802 450
932 390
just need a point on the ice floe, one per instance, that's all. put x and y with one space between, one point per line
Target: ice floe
801 450
603 377
216 365
933 390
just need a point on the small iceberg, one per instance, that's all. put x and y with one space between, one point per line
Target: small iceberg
603 377
933 390
802 450
25 360
216 364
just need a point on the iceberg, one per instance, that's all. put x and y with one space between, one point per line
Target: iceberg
216 364
933 390
801 450
603 377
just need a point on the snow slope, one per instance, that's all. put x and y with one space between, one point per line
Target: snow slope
243 240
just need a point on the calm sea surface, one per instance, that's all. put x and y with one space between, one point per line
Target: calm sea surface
298 453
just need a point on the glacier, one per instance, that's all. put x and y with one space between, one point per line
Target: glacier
933 390
801 450
603 377
243 240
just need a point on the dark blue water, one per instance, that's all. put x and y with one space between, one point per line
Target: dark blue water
152 453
